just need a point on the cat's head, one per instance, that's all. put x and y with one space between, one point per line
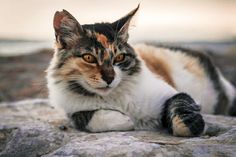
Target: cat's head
95 58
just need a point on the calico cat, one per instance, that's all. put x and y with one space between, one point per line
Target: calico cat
104 84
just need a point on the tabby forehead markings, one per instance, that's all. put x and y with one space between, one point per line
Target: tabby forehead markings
102 39
107 54
104 56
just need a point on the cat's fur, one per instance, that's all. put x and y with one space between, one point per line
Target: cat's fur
105 84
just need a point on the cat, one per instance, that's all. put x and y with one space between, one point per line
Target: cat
104 84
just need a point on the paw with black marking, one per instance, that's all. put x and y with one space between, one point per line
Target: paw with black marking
101 121
81 119
181 115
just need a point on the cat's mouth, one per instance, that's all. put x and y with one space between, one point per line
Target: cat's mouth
104 90
100 90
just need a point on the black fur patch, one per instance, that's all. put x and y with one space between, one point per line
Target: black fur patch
102 28
209 67
183 106
232 109
81 119
77 88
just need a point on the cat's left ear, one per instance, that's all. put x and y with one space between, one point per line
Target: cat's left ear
121 26
67 29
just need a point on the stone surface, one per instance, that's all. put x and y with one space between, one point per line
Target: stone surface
23 76
31 128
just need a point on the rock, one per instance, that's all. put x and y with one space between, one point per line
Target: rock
32 128
24 76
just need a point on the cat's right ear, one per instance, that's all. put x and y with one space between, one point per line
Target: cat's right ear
67 29
122 25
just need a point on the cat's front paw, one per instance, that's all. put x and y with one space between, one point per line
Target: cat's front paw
182 116
109 120
81 119
101 121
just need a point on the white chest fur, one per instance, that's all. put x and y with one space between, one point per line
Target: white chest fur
141 97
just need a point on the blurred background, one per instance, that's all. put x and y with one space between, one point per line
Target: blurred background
27 35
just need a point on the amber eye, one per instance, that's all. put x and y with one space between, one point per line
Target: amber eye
119 58
89 58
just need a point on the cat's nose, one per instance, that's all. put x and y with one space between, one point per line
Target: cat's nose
108 75
108 79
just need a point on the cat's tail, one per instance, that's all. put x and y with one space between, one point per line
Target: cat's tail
232 109
230 91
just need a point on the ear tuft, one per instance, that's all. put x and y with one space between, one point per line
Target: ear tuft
133 12
122 25
67 29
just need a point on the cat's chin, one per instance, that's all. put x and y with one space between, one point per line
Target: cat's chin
103 91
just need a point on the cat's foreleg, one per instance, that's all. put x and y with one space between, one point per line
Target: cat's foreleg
181 115
101 120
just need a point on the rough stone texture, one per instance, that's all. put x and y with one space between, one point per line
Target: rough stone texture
30 128
23 76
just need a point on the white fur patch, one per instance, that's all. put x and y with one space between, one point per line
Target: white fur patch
108 120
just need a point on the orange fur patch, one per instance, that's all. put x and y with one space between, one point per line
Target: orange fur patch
102 39
106 56
70 68
193 67
179 128
158 66
75 68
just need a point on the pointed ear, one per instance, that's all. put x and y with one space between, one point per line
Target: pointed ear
121 26
67 29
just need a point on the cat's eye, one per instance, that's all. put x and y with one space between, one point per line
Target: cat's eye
119 58
89 58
